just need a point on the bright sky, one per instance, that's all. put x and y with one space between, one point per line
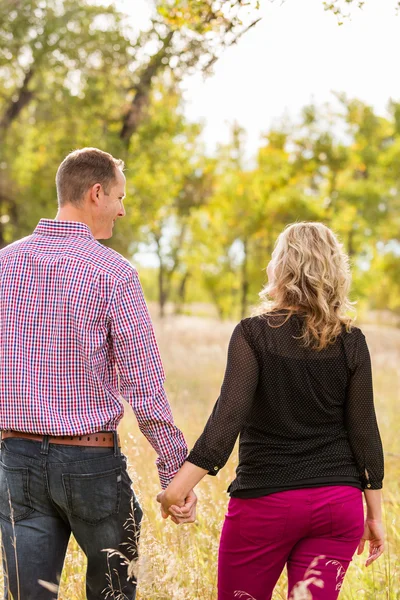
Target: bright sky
296 54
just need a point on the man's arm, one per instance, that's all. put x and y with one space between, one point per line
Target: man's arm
142 376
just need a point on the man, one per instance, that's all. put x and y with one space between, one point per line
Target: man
75 334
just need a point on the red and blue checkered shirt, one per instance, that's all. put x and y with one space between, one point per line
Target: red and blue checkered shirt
75 335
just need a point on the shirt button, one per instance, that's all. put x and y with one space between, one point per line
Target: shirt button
368 485
215 468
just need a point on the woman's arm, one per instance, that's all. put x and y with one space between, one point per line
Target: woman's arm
214 446
360 419
365 441
373 499
373 528
179 500
184 481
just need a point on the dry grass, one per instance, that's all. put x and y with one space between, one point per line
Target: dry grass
179 563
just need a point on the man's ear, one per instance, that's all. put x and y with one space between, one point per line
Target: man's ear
95 192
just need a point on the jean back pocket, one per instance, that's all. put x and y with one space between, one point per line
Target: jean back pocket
93 497
15 501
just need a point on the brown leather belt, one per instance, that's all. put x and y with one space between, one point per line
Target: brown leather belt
102 439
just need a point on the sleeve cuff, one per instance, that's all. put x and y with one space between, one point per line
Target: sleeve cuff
371 484
212 467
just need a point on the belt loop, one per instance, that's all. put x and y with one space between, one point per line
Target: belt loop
117 450
44 448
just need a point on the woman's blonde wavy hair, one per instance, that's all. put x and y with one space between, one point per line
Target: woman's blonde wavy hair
312 277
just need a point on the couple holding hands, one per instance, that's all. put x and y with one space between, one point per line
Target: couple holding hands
297 391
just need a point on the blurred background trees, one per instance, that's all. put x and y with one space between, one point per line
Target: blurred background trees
75 74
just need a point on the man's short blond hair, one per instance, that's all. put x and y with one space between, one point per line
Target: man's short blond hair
82 169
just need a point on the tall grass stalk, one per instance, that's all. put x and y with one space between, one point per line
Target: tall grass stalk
179 563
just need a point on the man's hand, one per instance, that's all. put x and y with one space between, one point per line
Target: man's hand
180 511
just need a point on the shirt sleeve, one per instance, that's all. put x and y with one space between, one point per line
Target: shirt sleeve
216 443
142 376
361 424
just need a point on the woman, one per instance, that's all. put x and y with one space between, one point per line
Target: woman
298 390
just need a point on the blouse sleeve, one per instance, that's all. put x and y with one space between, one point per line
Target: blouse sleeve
214 446
360 419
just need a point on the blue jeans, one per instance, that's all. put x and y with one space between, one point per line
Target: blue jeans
47 492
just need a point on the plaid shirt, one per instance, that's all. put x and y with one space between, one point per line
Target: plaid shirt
72 319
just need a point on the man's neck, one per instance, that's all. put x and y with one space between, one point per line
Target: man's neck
71 213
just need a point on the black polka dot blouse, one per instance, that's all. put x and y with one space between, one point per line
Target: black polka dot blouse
304 418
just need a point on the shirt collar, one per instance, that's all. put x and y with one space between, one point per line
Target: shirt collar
53 228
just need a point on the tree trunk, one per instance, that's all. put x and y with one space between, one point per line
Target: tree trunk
162 296
9 207
350 243
2 241
245 281
2 198
142 89
182 294
15 106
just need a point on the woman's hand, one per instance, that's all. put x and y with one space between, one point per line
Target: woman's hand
179 501
374 534
181 510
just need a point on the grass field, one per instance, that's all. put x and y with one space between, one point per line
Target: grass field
179 563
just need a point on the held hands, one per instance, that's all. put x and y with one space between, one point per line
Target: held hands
179 501
374 534
180 510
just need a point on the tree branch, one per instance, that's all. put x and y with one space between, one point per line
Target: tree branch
214 59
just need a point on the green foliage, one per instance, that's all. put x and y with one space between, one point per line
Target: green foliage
74 74
203 28
55 59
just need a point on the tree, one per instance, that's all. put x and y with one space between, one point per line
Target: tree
188 35
245 214
169 179
46 44
75 66
54 62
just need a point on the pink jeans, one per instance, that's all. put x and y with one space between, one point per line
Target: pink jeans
313 531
